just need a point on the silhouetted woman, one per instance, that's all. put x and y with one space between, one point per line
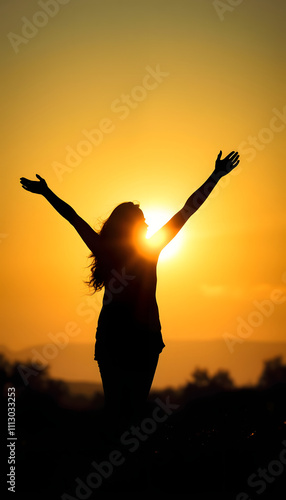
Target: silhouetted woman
128 338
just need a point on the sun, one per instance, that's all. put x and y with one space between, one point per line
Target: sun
156 218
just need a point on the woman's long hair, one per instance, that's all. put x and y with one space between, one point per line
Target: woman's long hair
115 234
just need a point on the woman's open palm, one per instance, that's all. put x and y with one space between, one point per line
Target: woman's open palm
34 186
227 164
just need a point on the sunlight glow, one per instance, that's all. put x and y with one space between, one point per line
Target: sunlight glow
156 218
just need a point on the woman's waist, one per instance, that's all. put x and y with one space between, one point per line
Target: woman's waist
121 339
127 324
131 314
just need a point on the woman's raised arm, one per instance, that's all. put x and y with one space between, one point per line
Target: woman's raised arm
88 235
222 167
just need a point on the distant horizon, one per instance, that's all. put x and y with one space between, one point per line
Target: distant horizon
217 339
179 359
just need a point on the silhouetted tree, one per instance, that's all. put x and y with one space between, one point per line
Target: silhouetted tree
274 372
223 380
201 377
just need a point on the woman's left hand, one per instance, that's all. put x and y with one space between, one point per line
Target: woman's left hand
38 187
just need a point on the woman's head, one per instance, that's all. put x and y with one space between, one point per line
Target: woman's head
124 225
120 234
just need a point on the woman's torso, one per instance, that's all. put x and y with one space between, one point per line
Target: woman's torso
129 324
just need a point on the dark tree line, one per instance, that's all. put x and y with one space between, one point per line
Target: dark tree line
26 379
218 437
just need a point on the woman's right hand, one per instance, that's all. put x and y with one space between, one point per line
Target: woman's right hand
226 165
38 187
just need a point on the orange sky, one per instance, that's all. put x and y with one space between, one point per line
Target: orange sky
159 87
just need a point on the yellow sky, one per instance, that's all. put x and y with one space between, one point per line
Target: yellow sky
159 87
